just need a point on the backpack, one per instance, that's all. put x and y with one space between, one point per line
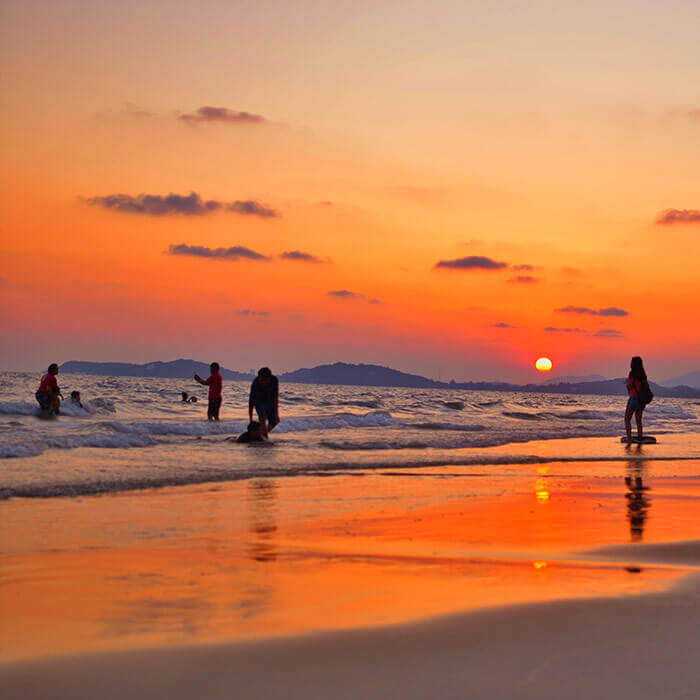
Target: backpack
646 396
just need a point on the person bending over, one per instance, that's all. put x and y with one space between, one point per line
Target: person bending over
215 383
48 394
264 397
75 398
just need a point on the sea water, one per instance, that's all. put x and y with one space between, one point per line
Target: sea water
136 432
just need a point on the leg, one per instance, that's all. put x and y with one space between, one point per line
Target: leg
638 418
262 419
628 424
217 408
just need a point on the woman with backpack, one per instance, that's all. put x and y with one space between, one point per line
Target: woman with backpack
639 396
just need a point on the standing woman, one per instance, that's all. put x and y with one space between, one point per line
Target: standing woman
639 397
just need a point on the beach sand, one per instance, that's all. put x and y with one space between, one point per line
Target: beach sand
543 580
636 648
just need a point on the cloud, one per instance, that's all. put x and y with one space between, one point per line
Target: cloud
299 256
608 333
553 329
523 279
583 310
572 271
234 253
678 216
221 115
345 294
187 205
252 208
250 312
501 325
325 203
471 262
523 268
691 115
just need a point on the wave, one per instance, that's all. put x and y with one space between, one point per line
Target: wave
95 406
462 427
522 415
117 434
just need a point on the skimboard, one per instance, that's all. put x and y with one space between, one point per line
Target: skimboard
646 440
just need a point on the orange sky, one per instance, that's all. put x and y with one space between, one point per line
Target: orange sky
392 136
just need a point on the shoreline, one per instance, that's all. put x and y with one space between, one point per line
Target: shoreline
591 449
611 647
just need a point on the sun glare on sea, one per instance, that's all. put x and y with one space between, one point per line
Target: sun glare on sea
544 364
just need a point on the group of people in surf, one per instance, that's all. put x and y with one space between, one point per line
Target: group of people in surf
264 399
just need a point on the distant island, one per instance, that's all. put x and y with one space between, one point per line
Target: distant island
345 374
175 369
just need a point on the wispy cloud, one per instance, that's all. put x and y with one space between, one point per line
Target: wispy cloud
233 254
523 268
584 310
678 216
251 312
553 329
188 205
345 294
222 116
471 262
572 271
523 279
501 325
609 333
300 256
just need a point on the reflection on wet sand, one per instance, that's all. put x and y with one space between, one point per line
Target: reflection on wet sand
638 503
262 525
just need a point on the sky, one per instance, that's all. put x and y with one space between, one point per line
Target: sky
448 188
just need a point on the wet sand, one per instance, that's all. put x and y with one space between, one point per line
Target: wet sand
534 577
636 648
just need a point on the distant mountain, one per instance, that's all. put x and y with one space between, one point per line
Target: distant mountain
359 375
691 379
575 380
168 370
342 373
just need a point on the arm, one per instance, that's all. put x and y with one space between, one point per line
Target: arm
199 380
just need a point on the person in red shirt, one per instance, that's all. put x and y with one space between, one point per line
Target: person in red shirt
49 395
215 383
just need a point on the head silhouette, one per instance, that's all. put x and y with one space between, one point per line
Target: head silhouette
637 369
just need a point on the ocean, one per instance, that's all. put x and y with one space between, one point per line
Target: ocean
136 432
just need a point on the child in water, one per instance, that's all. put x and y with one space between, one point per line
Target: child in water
252 434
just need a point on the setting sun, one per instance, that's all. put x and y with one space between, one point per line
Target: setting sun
544 364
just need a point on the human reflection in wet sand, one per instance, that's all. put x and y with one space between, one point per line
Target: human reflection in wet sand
262 520
638 503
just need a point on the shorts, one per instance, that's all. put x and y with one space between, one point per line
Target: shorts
268 413
44 400
634 404
213 409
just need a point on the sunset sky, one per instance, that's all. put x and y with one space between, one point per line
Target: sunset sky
451 188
